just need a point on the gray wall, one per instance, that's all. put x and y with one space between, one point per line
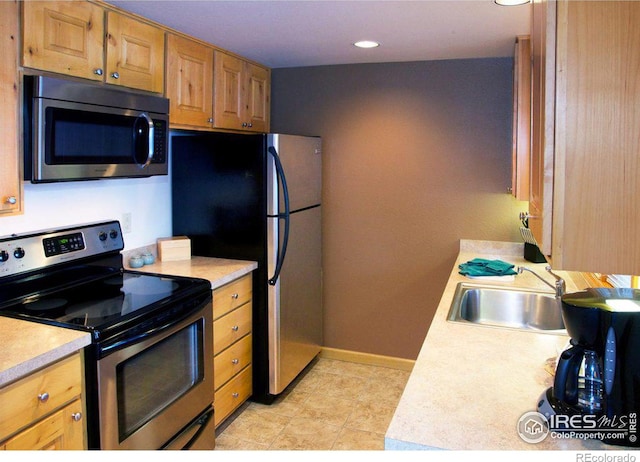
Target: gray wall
416 156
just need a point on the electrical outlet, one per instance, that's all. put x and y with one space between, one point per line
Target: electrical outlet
126 222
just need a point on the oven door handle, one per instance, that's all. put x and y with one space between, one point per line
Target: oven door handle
108 348
203 422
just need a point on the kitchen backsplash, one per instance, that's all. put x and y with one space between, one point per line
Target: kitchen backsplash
144 202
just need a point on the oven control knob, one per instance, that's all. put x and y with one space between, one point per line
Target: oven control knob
18 252
4 256
113 234
102 236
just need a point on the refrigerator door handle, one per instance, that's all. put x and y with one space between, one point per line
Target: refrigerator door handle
285 216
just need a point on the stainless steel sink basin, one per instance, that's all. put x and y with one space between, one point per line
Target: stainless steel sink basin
508 308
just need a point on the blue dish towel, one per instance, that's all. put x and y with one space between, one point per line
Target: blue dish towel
482 267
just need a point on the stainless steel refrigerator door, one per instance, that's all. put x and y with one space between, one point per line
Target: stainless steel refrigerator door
295 301
302 162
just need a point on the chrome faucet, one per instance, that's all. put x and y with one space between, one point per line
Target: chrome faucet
560 286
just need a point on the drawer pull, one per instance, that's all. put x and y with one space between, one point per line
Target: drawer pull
234 361
43 397
235 296
235 394
76 416
235 328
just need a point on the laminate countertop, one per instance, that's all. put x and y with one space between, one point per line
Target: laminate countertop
27 346
218 271
471 384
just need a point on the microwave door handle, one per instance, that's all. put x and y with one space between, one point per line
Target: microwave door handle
148 122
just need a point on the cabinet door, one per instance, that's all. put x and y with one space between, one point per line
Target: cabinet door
258 97
596 222
542 128
10 184
228 111
62 430
521 161
64 37
135 54
189 82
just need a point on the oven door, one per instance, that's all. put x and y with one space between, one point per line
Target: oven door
153 388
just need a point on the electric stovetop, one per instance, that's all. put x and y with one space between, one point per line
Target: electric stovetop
105 303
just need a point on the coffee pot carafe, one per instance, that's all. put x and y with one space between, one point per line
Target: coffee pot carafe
599 374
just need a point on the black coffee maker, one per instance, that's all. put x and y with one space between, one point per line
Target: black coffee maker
599 375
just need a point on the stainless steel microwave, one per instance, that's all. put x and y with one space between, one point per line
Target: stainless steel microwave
84 131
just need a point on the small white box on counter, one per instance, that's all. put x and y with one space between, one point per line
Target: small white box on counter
174 248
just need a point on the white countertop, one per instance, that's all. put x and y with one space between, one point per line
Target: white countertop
26 346
471 384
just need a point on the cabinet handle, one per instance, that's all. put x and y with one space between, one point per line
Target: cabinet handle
210 120
43 397
76 416
11 200
525 216
235 394
235 328
244 125
115 75
250 125
235 296
98 71
234 361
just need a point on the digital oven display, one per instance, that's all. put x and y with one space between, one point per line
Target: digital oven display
63 244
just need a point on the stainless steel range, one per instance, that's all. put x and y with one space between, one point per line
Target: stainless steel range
149 370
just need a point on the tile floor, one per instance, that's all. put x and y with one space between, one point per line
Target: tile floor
334 405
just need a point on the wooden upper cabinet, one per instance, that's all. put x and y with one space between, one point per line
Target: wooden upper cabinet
258 97
241 94
521 118
588 130
189 82
135 53
543 30
64 37
10 184
228 111
69 38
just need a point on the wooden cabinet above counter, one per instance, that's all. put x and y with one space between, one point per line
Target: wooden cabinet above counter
97 41
586 135
82 39
212 89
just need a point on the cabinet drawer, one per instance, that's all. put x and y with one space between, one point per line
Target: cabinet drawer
230 396
232 295
231 361
231 328
24 402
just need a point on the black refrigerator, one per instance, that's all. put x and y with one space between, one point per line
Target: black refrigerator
258 197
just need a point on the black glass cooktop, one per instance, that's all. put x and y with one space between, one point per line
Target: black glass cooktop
98 302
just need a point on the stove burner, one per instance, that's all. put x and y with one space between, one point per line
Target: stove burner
45 304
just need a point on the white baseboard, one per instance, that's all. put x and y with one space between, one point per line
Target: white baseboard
367 358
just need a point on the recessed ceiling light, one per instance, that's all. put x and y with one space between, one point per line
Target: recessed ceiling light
511 2
366 44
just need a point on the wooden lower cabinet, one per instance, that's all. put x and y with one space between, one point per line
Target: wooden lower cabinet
61 430
230 396
45 409
232 346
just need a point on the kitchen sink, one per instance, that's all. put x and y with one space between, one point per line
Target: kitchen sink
509 308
